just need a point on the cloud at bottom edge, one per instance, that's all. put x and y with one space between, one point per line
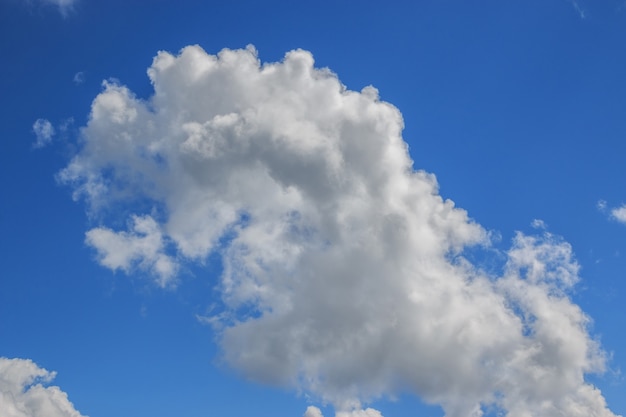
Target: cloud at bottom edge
25 391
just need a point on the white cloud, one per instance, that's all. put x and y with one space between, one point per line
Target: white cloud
24 391
44 131
344 273
313 411
619 214
615 213
539 224
143 246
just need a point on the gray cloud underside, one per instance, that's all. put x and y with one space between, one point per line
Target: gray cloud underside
344 273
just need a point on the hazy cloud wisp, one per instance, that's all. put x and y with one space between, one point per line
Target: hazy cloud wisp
614 213
65 6
343 268
44 131
79 78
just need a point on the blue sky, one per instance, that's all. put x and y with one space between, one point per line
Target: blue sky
229 237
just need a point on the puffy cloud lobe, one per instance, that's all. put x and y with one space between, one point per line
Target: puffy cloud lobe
619 214
343 268
313 411
615 213
23 391
44 131
143 245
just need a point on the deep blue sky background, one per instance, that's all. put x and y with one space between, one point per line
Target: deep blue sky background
518 108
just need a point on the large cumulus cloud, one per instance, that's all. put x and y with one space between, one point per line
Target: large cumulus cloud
23 391
343 268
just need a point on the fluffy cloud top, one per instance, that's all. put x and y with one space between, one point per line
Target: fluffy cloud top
313 411
23 391
44 131
343 268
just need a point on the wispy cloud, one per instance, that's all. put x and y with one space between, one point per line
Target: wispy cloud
578 8
343 267
539 224
614 213
79 78
64 6
44 131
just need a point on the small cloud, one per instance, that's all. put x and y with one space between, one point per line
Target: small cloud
142 247
79 78
312 411
619 214
539 224
216 322
615 213
44 131
67 123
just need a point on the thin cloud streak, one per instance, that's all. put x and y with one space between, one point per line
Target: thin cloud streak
65 6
